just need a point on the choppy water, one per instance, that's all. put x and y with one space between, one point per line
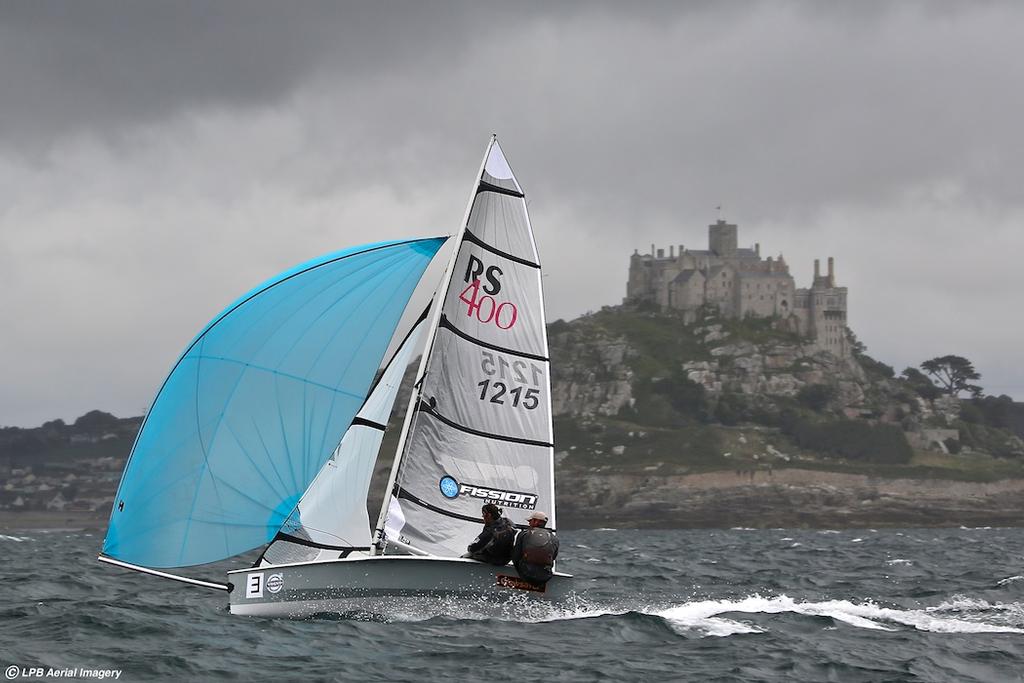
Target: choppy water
737 605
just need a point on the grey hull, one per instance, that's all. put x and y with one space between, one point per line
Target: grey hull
386 586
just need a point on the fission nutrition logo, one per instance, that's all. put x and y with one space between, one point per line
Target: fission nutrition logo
452 489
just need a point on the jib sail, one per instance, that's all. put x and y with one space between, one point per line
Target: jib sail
331 520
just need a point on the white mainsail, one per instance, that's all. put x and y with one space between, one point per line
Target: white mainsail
479 425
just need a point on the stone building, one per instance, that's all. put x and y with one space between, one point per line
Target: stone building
740 283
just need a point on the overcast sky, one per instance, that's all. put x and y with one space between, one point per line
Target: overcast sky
157 159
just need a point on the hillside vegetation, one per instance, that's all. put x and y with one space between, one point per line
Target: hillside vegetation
639 390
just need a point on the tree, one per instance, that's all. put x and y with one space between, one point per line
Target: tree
860 352
96 421
953 373
857 347
921 384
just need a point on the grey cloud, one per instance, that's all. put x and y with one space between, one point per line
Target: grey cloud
144 146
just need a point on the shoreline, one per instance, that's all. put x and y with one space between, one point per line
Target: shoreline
786 498
37 520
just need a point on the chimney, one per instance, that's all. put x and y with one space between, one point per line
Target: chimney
652 250
817 269
757 249
672 253
831 272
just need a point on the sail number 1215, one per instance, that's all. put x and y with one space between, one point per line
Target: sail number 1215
510 379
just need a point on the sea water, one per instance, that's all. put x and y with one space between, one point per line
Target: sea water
723 605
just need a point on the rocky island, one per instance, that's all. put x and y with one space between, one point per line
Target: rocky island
718 394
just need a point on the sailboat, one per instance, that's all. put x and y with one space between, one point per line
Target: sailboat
266 432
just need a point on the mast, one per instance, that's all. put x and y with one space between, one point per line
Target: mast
421 372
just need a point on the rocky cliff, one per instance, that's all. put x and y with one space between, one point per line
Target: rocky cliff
664 423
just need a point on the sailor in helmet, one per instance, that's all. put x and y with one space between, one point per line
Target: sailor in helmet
535 550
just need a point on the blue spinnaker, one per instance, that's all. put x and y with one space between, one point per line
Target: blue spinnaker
257 403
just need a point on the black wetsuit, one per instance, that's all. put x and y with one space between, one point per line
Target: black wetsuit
534 553
494 544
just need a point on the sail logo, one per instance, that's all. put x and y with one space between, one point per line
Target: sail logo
452 489
449 487
510 499
475 268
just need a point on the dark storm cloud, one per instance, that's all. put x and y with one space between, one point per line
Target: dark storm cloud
143 146
96 66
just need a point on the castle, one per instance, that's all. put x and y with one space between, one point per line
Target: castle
740 283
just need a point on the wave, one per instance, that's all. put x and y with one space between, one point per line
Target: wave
972 616
16 539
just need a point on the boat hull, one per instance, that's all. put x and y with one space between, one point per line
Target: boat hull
384 585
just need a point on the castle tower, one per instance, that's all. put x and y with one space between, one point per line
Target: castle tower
824 311
722 238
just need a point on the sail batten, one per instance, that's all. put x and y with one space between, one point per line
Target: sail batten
238 429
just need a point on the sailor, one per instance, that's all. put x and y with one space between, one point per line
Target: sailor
535 550
494 544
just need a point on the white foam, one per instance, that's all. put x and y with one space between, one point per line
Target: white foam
828 531
1009 579
857 540
16 539
899 560
742 528
704 616
519 608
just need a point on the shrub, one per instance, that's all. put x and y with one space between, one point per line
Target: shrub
684 395
816 396
731 409
853 440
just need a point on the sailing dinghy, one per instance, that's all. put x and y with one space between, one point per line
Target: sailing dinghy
266 432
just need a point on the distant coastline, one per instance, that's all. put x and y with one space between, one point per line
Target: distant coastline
48 520
782 498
